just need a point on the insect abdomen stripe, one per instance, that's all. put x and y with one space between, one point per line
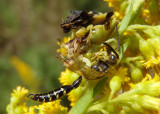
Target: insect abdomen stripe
57 93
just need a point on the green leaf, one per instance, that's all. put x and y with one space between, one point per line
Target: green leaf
99 87
83 102
126 20
136 14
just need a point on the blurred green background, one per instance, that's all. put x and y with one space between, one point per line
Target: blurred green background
28 42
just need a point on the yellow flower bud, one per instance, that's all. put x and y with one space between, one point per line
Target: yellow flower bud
20 109
149 102
155 42
151 88
115 85
15 99
138 64
146 49
141 102
156 30
136 74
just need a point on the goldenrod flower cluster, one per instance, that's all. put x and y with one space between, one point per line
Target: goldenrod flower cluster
132 86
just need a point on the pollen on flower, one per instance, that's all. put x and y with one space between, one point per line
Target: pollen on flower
146 14
30 110
67 77
118 15
114 3
121 72
152 63
17 99
52 108
117 8
62 49
19 93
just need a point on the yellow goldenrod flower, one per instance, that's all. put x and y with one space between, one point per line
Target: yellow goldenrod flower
67 78
17 105
62 48
153 63
52 108
150 47
121 72
141 96
30 110
119 7
150 11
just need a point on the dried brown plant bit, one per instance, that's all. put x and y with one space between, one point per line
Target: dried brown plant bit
77 46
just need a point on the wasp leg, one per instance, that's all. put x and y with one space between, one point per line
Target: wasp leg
109 15
107 22
57 93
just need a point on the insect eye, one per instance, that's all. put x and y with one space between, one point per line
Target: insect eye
113 57
67 26
95 67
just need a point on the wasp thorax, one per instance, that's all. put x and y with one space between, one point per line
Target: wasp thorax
103 60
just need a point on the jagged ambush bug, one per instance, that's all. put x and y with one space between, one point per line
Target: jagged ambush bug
83 56
83 19
95 33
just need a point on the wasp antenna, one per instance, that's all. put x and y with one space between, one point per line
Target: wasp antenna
117 37
62 20
59 40
30 95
